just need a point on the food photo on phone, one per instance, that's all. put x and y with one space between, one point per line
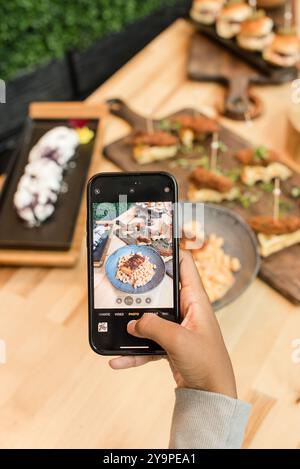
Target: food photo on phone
133 257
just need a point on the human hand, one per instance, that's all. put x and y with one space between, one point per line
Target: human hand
195 348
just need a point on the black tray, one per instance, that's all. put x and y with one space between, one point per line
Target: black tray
275 75
56 233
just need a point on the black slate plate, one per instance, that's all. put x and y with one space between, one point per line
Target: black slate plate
239 241
57 232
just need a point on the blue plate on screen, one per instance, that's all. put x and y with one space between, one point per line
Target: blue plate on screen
111 267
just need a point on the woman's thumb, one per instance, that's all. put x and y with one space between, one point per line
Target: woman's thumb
151 326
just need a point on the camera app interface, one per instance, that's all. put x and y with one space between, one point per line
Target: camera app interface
133 257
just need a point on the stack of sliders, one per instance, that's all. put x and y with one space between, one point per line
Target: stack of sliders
153 146
256 32
231 18
261 164
210 186
253 30
194 128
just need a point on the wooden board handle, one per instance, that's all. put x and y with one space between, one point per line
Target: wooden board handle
240 104
118 108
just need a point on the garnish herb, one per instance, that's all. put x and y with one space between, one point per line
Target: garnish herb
222 146
168 126
233 174
261 153
267 186
284 206
295 192
247 198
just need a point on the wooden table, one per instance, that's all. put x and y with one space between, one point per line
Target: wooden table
55 392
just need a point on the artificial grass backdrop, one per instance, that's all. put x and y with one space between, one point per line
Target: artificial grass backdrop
34 32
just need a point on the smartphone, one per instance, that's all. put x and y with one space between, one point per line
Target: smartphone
132 247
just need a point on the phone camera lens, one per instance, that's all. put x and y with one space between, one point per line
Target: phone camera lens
131 190
97 191
167 189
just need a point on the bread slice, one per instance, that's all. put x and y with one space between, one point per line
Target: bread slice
144 154
269 244
211 195
252 174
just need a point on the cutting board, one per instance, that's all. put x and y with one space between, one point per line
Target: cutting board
208 62
281 270
59 257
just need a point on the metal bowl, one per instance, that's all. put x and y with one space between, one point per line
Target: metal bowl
239 241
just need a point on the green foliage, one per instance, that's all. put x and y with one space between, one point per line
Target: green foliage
34 32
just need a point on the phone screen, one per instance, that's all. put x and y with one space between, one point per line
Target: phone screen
133 255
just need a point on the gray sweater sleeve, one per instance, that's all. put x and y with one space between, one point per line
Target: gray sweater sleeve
207 420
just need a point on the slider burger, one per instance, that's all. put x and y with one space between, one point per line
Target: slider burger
155 146
250 175
283 50
257 156
194 128
206 11
208 186
275 235
256 33
231 17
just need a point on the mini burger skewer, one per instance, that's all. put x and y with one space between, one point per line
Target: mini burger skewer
214 151
276 201
288 15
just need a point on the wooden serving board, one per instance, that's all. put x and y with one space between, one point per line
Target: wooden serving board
60 258
208 62
281 270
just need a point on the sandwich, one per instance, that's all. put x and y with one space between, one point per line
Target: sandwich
194 128
257 156
231 17
283 50
206 11
154 146
256 33
210 186
275 235
250 175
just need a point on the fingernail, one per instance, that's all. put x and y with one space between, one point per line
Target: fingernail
133 321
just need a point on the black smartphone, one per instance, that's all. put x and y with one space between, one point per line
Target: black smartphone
132 257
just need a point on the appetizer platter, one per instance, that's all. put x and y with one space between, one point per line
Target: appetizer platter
214 165
250 34
41 200
225 254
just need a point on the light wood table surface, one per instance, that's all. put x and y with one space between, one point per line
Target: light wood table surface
55 392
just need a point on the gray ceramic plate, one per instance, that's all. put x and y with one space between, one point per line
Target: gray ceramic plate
240 242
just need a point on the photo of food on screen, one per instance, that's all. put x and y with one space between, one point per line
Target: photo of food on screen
133 255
